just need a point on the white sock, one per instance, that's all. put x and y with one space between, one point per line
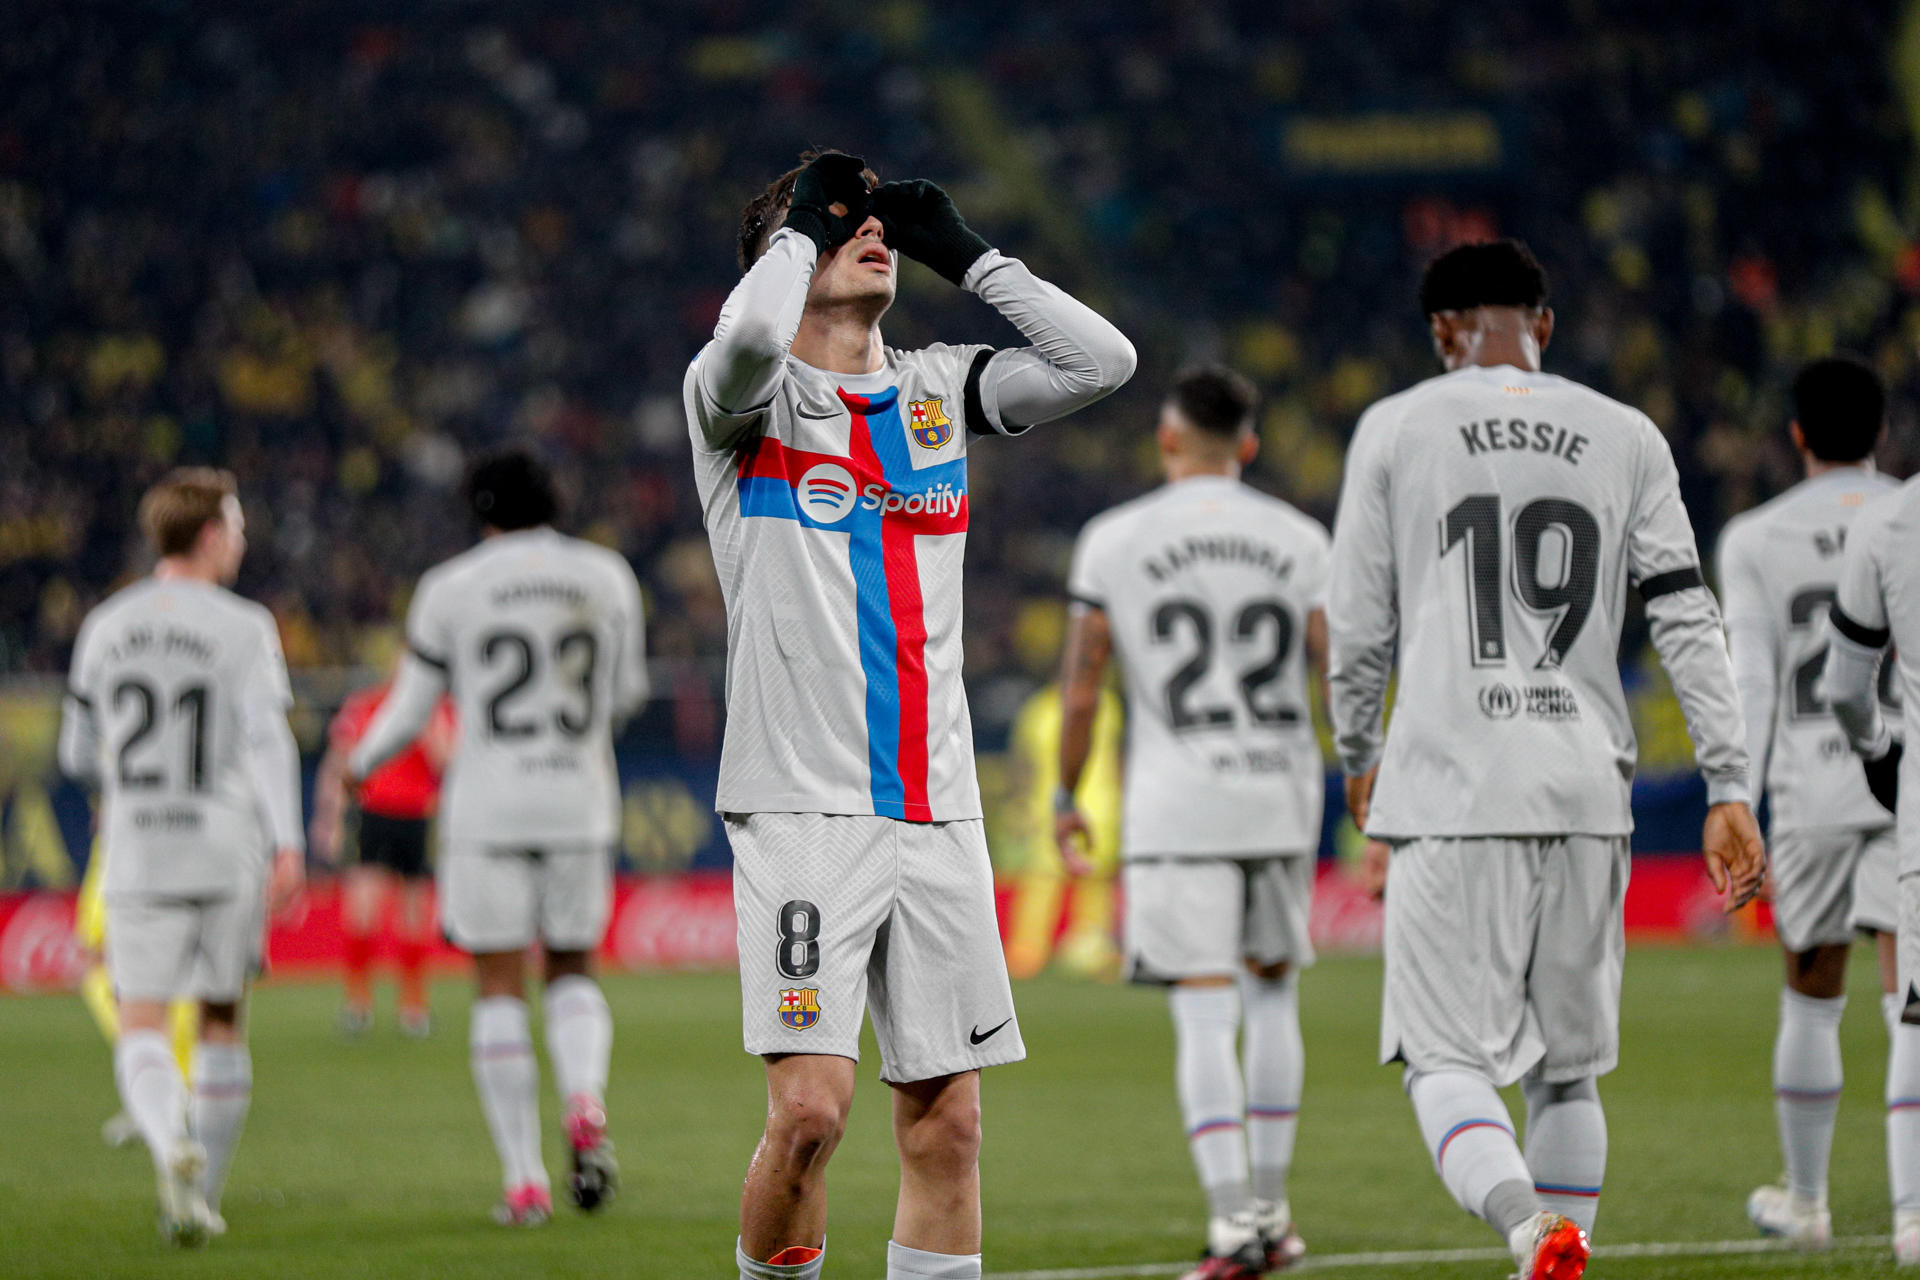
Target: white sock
1206 1024
752 1269
1890 1005
1470 1135
579 1036
913 1264
501 1052
1903 1118
152 1091
1806 1086
1567 1146
1276 1069
222 1091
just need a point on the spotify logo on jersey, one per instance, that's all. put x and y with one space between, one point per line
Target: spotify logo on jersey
827 493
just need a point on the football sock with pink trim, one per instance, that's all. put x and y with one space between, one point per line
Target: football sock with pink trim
1806 1086
1567 1146
1276 1071
1470 1136
1206 1024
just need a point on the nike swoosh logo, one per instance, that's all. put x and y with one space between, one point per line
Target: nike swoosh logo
981 1037
828 416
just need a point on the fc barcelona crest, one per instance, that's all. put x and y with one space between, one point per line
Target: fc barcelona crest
931 428
800 1008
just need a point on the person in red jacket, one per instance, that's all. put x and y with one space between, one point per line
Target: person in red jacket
396 803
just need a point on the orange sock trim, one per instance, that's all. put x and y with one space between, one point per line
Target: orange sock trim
794 1255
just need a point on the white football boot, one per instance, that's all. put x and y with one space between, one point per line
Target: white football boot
1906 1238
1785 1213
184 1216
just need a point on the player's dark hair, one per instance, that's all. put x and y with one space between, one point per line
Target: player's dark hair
1840 404
186 500
1488 273
1215 399
764 213
511 489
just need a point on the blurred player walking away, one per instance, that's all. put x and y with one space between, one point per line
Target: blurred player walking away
1490 522
396 803
1878 603
539 637
833 474
177 710
1831 844
1210 595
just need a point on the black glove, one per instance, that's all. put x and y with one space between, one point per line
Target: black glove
1883 776
830 178
921 222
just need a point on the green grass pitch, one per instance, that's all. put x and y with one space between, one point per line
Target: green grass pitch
369 1159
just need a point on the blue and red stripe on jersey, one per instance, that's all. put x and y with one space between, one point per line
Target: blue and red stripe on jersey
890 612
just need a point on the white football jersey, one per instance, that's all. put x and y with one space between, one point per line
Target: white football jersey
1490 523
540 639
1207 585
173 684
1879 603
1779 568
839 528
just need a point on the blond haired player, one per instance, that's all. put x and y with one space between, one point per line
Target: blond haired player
177 709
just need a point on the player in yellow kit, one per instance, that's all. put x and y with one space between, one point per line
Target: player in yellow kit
1087 948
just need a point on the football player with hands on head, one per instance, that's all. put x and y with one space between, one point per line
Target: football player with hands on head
1210 596
1830 843
832 470
177 710
1491 520
1878 604
540 639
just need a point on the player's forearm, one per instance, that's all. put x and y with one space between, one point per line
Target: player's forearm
273 764
329 789
1848 682
1357 676
1077 355
1686 633
1756 680
79 742
408 707
741 368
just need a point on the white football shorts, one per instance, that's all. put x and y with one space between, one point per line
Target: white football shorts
1202 917
505 898
165 948
1830 881
839 913
1505 953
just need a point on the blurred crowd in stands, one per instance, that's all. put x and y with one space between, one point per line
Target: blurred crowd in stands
337 252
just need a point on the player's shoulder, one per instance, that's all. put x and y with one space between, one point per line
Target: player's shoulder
938 361
1285 516
1123 518
1892 514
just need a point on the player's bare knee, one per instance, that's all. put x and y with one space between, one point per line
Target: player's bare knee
1819 972
1275 972
946 1139
220 1022
804 1126
569 964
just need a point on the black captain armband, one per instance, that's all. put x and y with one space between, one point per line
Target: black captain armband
1883 777
976 408
1665 584
1858 632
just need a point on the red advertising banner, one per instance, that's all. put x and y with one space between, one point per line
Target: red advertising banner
686 922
